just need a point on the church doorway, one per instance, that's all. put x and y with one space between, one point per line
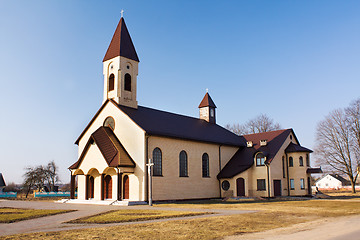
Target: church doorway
126 187
240 187
108 187
91 187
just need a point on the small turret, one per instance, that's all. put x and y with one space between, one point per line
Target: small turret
207 109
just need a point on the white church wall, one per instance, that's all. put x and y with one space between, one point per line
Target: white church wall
131 136
93 159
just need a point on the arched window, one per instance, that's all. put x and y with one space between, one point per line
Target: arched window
183 164
127 86
205 165
301 161
260 159
157 160
291 162
111 82
109 122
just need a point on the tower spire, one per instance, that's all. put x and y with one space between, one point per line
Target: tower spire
121 44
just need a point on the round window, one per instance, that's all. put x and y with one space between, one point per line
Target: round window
109 122
225 185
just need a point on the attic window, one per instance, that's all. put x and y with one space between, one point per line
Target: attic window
249 144
263 142
260 159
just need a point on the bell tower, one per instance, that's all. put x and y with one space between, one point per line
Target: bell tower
120 68
207 109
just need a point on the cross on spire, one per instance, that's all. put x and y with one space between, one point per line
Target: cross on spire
122 12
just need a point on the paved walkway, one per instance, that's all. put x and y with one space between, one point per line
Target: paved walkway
339 228
58 222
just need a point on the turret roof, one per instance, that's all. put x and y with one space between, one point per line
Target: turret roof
121 44
207 102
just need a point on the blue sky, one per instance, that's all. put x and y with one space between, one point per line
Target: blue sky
292 60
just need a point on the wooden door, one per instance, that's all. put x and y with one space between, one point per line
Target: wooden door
277 188
126 187
240 187
91 187
108 187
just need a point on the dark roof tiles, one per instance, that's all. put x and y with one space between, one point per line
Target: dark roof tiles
296 148
161 123
244 158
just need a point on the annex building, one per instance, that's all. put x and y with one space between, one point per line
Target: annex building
194 158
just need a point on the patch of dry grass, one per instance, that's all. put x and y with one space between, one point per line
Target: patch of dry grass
201 228
9 215
321 208
134 215
273 214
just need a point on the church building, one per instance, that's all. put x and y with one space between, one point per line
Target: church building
194 158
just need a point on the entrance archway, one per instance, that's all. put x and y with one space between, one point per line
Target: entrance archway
108 187
91 187
126 187
240 187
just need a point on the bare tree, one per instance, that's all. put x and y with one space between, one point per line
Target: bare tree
38 177
51 175
261 123
336 146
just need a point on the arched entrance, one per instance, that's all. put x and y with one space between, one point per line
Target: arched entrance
126 187
91 187
240 187
108 187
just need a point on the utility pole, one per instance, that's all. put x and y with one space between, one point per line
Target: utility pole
149 165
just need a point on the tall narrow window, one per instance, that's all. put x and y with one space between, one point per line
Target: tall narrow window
157 160
291 162
111 82
260 159
307 160
183 164
283 166
205 165
301 161
127 86
292 184
302 183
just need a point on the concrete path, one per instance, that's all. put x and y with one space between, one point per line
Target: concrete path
58 222
325 229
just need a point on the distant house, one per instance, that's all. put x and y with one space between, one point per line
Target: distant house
2 183
332 181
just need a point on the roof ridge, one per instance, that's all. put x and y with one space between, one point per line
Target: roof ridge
280 130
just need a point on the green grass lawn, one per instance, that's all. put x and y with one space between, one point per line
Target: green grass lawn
9 215
134 215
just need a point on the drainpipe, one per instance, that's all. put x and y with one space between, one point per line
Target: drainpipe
145 166
287 174
219 170
268 178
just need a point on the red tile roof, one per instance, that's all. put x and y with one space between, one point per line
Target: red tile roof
207 102
121 44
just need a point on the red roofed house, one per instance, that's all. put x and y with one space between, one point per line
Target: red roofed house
193 158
